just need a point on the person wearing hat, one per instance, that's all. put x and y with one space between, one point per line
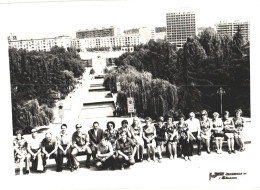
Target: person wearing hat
80 144
49 149
149 134
137 136
218 133
95 136
64 147
194 127
34 153
20 150
205 127
239 123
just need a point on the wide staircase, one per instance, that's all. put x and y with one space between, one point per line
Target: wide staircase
98 102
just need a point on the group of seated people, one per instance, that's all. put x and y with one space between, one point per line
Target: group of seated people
121 147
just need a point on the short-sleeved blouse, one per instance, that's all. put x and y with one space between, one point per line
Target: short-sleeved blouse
182 130
205 126
111 136
136 130
160 132
239 123
149 130
20 144
217 124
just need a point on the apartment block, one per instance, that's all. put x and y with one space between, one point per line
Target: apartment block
98 32
180 26
230 28
42 44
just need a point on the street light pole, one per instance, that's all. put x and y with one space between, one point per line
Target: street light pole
221 91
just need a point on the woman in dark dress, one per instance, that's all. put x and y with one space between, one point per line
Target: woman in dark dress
149 134
160 137
229 129
184 138
172 138
239 125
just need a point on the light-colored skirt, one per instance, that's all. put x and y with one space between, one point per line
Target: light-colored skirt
206 135
239 134
229 135
139 140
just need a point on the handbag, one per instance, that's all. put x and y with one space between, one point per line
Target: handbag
229 130
219 132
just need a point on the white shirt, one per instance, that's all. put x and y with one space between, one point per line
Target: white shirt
193 125
35 143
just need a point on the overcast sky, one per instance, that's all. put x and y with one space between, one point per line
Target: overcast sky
49 19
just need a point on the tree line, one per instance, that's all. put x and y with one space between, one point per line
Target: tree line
204 64
36 77
152 97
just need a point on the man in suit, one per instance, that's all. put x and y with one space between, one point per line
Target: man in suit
95 137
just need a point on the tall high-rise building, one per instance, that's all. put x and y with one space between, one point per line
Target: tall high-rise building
180 26
230 28
98 32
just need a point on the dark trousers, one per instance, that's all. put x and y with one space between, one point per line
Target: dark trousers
198 141
186 147
122 161
44 159
61 155
37 162
94 151
105 164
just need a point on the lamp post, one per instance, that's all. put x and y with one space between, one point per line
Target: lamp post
220 92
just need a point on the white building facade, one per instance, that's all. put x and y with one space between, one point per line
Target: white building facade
180 26
42 44
230 28
108 42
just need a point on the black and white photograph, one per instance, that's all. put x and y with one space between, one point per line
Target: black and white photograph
129 94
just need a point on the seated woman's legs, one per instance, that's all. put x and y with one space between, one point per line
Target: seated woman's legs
170 150
174 150
148 153
159 148
153 152
242 144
